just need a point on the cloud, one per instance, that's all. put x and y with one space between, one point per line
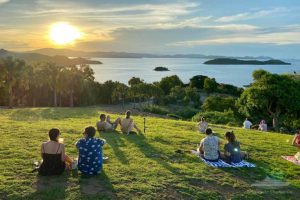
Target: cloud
4 1
251 15
278 38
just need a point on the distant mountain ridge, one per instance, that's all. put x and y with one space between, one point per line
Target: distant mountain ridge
230 61
102 54
37 57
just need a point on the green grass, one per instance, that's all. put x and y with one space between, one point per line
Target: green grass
139 166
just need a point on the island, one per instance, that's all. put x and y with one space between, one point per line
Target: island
161 69
36 57
231 61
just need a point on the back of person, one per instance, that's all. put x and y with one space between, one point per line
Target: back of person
211 147
103 126
247 124
52 162
90 152
235 152
126 124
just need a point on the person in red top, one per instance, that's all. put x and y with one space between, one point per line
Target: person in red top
296 140
296 143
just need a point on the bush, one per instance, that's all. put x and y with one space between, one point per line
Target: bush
218 103
155 109
215 117
187 112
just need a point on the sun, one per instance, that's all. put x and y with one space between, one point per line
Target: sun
63 33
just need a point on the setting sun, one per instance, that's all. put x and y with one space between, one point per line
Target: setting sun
64 33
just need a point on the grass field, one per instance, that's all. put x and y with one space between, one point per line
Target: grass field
139 166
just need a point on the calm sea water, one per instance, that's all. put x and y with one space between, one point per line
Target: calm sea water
122 69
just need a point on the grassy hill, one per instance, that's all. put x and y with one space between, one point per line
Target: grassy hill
139 166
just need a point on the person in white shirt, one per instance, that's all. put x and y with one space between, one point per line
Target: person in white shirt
263 126
106 125
247 124
203 125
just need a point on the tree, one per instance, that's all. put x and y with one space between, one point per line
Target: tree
168 82
210 85
12 71
120 93
272 95
73 77
197 81
218 103
135 81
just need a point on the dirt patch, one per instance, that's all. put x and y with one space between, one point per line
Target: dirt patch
44 183
270 183
92 186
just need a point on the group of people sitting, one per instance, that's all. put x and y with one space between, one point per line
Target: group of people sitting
90 158
261 127
209 148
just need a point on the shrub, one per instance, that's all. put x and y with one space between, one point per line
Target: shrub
155 109
215 117
218 103
187 112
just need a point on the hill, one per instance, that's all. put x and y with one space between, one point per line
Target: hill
231 61
102 54
139 166
36 57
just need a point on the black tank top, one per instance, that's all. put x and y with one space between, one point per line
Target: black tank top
52 164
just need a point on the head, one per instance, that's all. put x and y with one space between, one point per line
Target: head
102 117
89 131
54 134
230 136
208 131
128 114
246 119
262 122
202 119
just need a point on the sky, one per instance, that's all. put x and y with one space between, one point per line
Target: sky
210 27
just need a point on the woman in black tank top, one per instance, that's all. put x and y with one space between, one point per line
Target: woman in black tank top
53 154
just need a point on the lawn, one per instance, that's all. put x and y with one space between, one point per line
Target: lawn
139 166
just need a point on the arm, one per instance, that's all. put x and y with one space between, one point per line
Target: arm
62 152
201 148
294 141
42 150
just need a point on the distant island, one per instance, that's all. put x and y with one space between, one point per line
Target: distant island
102 54
37 57
161 69
231 61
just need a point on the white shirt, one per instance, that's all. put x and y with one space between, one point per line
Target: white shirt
247 124
202 126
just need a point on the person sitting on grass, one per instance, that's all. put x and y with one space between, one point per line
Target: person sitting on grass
202 125
106 125
232 150
296 143
127 124
263 126
209 147
90 152
55 160
247 124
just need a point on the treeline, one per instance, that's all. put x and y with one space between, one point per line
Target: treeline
49 84
273 97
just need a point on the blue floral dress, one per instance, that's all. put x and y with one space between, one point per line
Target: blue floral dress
90 155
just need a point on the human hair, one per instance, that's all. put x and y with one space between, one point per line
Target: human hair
208 131
230 136
102 116
202 119
128 113
90 131
53 134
